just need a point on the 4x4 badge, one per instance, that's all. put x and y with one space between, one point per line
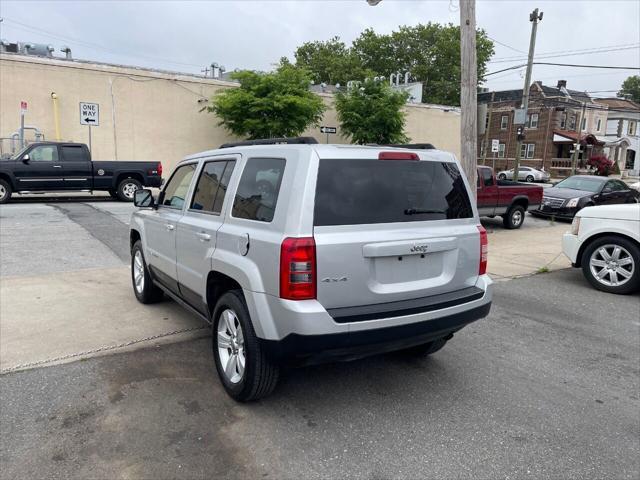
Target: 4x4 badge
333 280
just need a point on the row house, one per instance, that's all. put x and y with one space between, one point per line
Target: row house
555 115
621 136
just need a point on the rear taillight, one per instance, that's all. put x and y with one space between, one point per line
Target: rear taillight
398 156
159 168
484 250
298 269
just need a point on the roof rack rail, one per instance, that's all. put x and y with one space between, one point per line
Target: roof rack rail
273 141
415 146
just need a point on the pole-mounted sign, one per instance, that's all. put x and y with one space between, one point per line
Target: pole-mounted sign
90 116
495 145
328 130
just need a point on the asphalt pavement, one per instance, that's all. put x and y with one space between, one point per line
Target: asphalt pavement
546 387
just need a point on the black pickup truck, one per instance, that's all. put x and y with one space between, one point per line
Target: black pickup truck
58 166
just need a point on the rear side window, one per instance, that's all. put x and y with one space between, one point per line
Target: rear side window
176 190
212 186
258 190
487 177
73 153
354 192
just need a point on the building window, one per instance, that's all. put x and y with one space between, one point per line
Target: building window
632 128
501 147
533 120
527 150
563 121
583 125
504 122
572 122
598 125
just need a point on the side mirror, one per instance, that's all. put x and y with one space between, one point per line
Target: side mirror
26 158
143 198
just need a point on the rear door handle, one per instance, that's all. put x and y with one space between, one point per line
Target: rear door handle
204 237
169 227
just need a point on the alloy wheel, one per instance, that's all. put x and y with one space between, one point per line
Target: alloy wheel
231 351
516 218
612 265
3 192
138 272
129 189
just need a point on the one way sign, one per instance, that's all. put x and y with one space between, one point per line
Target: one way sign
89 114
328 129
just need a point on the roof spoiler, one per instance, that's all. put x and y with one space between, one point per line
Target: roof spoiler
273 141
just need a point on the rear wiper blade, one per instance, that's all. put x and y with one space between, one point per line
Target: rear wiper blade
416 211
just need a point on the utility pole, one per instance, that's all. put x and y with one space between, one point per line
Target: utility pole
468 92
576 149
534 17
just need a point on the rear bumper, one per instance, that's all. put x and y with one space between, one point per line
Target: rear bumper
311 349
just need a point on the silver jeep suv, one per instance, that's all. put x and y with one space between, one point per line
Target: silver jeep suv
303 253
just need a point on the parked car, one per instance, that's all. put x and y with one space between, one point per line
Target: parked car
60 166
635 186
353 251
572 194
528 174
505 198
605 242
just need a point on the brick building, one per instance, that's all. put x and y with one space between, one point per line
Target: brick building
551 128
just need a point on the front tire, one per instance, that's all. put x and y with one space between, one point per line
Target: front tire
502 176
144 289
529 179
612 264
5 191
514 217
243 367
127 188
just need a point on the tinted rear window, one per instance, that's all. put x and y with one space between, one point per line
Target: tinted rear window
354 192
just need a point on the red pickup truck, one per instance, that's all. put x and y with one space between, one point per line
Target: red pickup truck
505 198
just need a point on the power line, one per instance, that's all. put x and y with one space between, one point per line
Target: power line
514 67
569 53
505 45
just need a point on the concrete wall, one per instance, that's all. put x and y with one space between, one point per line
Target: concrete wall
152 115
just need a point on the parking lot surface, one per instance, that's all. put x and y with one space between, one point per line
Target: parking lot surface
545 387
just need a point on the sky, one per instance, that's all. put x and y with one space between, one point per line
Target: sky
186 36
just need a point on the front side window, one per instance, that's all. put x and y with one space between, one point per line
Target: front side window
177 188
357 192
44 153
209 183
487 177
258 190
504 122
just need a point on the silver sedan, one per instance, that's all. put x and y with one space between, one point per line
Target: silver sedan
528 174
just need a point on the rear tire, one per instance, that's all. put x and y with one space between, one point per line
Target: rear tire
5 191
514 218
530 178
235 343
502 176
428 348
143 287
600 272
127 189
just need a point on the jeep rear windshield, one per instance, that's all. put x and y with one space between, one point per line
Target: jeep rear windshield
356 192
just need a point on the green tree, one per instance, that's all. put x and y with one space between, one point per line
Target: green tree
372 112
268 105
330 62
631 88
430 52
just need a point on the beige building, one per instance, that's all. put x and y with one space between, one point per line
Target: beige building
150 114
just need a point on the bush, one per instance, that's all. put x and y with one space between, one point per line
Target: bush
602 164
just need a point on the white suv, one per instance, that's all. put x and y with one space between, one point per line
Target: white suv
302 253
605 242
